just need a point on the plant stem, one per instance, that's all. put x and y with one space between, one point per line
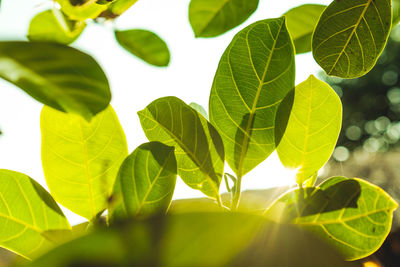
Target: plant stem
236 194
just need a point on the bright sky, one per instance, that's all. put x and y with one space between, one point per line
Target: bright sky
134 84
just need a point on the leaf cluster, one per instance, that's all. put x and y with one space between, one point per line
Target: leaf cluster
255 108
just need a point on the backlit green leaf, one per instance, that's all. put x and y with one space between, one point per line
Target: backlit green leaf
210 18
255 73
351 214
350 36
144 44
196 239
198 147
307 127
145 182
80 159
52 25
300 22
56 75
26 211
82 9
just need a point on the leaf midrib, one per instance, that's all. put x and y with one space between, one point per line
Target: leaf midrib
367 5
254 106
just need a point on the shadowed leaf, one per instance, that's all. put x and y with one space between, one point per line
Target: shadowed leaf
27 211
305 141
351 214
254 74
198 147
145 182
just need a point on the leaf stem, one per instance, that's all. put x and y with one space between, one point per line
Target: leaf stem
236 192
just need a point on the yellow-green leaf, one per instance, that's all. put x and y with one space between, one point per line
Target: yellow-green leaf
307 127
145 182
26 212
210 18
255 73
300 22
82 9
52 25
198 147
120 6
57 75
146 45
350 36
351 214
80 159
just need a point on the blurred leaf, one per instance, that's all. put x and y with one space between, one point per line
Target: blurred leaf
199 108
26 211
145 45
80 159
120 6
396 12
351 214
193 240
251 201
145 182
300 22
308 124
56 75
210 18
255 73
52 25
198 147
82 9
350 36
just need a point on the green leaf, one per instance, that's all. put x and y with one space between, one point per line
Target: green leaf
56 75
396 12
350 36
193 240
351 214
82 9
255 73
80 159
198 147
210 18
52 25
300 22
26 211
145 45
199 108
120 6
307 127
145 182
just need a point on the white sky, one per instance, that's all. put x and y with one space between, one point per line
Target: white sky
134 84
